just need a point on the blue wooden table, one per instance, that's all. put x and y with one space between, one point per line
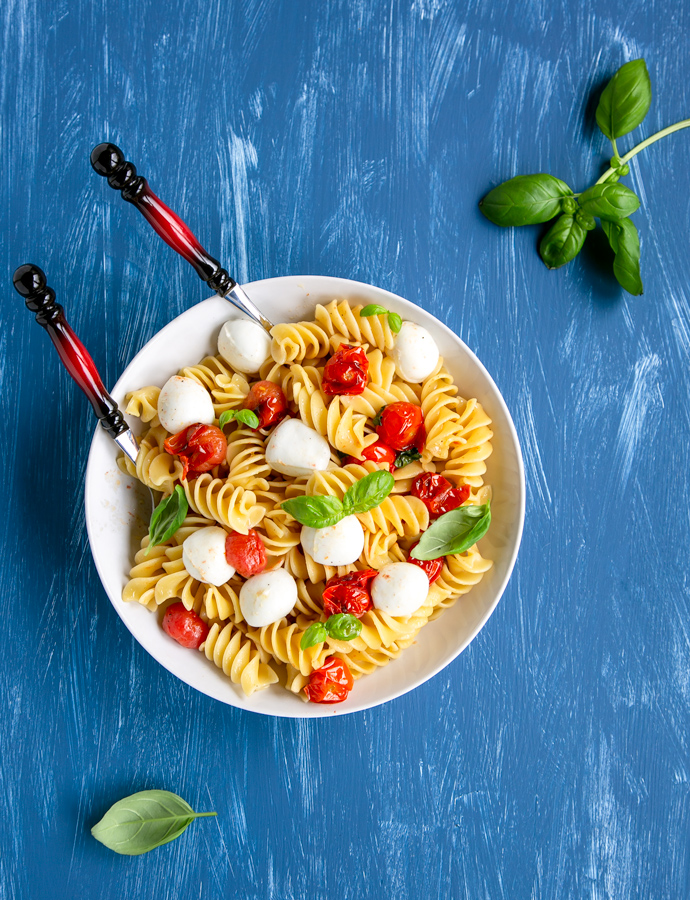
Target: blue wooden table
552 759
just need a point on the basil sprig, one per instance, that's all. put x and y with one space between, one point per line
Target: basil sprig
405 457
245 416
373 309
453 532
341 627
144 821
167 518
323 511
534 199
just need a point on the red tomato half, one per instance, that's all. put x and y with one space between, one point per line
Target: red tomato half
438 494
378 453
268 402
346 371
432 567
402 426
185 626
200 447
349 593
331 683
245 553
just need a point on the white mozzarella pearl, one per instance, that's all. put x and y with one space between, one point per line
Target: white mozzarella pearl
203 555
399 589
295 449
267 597
336 545
183 402
415 353
244 344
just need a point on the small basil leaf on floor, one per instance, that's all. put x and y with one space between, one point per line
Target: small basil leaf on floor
525 200
562 242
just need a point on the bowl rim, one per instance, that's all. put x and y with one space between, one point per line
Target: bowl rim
341 287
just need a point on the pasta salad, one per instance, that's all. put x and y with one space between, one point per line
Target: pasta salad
322 495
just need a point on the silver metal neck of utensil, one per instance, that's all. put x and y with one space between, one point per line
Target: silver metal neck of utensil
128 444
238 298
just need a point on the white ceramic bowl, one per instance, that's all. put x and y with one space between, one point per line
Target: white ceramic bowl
117 507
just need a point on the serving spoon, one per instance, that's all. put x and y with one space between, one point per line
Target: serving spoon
109 161
30 282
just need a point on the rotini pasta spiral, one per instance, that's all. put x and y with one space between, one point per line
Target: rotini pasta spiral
226 503
467 461
155 468
282 641
238 657
143 404
440 409
341 322
297 341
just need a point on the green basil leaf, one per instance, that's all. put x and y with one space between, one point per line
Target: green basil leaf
373 309
376 421
316 512
342 627
368 492
625 100
167 518
245 416
562 242
625 243
407 456
317 633
609 201
395 322
453 532
525 200
143 821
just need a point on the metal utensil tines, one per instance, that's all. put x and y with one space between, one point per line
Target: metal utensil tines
109 161
30 282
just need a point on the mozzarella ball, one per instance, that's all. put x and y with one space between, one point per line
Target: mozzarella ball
415 353
267 597
296 449
244 344
183 402
399 589
203 555
337 545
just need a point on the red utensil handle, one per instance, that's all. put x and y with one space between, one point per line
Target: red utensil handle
109 161
30 282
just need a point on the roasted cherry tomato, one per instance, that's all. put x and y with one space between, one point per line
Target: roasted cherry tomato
331 683
401 425
432 567
438 494
200 447
346 371
349 593
268 402
245 553
185 626
379 453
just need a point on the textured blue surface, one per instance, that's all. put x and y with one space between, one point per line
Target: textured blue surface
551 759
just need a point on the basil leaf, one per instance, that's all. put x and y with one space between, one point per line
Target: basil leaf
245 416
525 200
317 633
316 512
395 322
625 100
373 309
342 627
562 242
143 821
167 518
609 201
368 492
407 456
453 532
376 421
625 243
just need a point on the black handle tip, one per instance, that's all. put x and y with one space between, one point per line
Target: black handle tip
106 159
29 279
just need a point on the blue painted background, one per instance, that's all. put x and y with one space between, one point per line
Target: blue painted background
552 759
